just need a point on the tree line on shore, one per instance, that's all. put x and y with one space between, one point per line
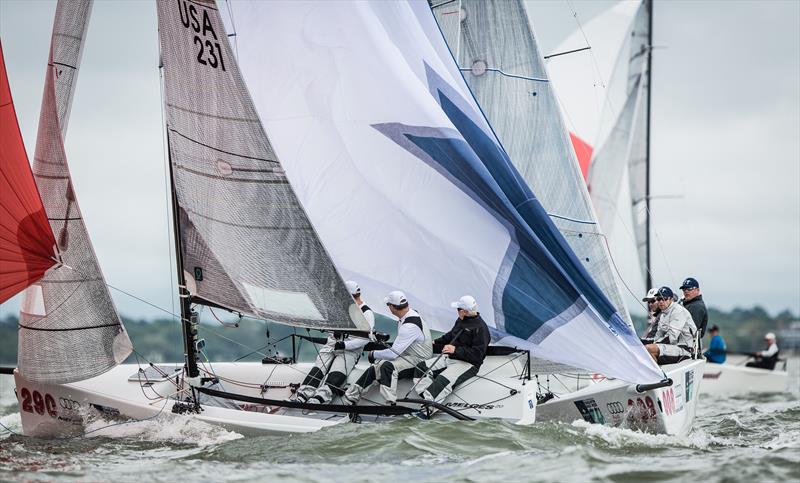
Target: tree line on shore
160 340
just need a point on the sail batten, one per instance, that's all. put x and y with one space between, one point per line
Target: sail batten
69 327
245 241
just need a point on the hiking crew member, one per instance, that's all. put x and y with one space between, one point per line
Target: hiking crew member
693 302
336 358
653 313
463 351
674 339
717 349
412 345
768 358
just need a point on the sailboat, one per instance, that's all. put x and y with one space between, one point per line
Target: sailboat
622 137
402 159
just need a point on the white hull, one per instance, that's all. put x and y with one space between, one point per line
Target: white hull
666 410
733 379
49 410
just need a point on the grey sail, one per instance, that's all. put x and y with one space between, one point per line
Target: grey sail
246 243
625 145
69 327
497 51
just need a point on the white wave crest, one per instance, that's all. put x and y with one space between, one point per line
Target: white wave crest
166 427
622 437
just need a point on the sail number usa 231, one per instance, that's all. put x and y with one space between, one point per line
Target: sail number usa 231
206 41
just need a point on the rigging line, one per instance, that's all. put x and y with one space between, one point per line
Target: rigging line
566 52
515 76
167 205
233 27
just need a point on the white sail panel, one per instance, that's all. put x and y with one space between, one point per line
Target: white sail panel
498 53
625 145
246 242
69 327
405 182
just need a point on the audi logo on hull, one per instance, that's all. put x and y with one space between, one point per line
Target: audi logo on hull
615 407
68 404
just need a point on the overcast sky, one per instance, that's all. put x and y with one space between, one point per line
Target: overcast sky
726 140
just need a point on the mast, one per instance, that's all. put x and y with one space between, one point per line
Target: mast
649 276
188 318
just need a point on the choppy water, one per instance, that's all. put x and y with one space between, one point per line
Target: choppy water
743 438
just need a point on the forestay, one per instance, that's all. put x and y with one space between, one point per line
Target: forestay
626 143
69 327
407 185
27 244
495 46
246 242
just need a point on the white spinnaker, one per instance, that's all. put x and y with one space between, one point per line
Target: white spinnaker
499 55
323 75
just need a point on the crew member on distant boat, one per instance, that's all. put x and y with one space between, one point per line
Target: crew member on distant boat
766 359
693 302
653 313
412 345
463 350
336 358
717 350
674 339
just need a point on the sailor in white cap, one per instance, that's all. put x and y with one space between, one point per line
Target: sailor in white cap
766 359
463 351
653 312
674 340
412 346
336 358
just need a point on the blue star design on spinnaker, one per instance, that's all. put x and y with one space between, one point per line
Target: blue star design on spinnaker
535 291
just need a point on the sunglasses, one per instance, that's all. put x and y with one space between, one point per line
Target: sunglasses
659 299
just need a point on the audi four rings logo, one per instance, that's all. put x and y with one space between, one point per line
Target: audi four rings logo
615 407
68 404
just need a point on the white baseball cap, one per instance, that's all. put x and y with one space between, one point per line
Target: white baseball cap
467 302
395 298
352 287
651 295
770 335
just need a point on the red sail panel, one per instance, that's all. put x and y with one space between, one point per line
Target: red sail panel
27 244
583 151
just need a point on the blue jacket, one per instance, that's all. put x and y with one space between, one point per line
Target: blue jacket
716 350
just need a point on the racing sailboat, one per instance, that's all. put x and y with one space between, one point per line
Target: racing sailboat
620 132
402 167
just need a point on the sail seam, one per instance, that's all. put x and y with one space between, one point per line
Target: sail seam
222 150
228 178
69 329
255 227
214 116
516 76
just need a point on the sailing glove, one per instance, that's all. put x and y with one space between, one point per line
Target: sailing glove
339 345
371 357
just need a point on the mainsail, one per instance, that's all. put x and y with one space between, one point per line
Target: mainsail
69 327
408 186
246 242
626 144
495 46
27 244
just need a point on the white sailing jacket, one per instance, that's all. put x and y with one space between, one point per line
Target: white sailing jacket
676 327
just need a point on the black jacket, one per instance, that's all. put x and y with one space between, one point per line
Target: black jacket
697 308
470 337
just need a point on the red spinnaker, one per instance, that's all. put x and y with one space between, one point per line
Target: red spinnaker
584 152
27 244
